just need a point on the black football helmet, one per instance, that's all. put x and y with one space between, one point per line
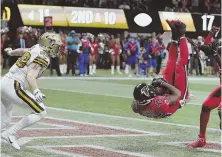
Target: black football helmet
143 92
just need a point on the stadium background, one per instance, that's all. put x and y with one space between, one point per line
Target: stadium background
104 101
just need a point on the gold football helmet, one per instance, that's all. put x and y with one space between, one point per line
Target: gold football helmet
51 43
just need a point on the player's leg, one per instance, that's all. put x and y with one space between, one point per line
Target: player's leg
181 82
213 101
169 71
26 99
6 113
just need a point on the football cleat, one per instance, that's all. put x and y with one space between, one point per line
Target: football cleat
200 142
11 140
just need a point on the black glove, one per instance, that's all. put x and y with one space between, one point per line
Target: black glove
173 29
181 29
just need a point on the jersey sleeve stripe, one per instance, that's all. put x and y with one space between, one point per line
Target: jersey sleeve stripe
40 61
26 98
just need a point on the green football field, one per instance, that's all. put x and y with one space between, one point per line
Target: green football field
92 116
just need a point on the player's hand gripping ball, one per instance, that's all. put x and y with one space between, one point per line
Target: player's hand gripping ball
157 83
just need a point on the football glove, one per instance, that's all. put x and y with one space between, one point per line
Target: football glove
158 81
173 29
8 50
181 29
38 95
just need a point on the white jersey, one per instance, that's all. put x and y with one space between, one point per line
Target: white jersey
19 70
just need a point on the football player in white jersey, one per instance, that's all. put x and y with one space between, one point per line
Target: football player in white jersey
23 76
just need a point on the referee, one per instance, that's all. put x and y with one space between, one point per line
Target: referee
72 46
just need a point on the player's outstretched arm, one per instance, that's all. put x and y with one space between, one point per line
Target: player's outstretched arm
175 93
32 74
16 52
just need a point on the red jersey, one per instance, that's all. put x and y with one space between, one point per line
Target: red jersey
159 108
95 46
115 48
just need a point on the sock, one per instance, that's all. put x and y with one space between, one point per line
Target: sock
118 68
183 51
61 68
204 118
94 68
26 122
64 68
127 69
90 69
112 69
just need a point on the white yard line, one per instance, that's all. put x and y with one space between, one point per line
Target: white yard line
130 119
191 102
109 126
24 140
95 147
90 93
123 78
48 149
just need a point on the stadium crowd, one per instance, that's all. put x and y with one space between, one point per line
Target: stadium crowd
86 52
204 6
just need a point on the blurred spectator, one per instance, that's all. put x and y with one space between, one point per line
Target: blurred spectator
215 8
20 42
47 2
143 62
84 55
93 56
181 7
201 55
115 55
72 46
54 64
63 57
5 43
101 49
195 5
153 50
132 49
194 57
207 8
124 6
160 55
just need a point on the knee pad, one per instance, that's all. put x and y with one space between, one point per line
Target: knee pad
205 109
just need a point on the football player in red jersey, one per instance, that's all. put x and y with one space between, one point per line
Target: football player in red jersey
149 101
214 99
